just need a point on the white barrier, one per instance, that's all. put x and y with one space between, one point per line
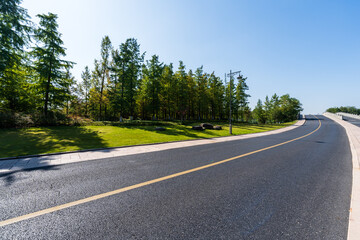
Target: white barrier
350 115
334 115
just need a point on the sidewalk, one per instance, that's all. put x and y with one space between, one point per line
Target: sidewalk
353 133
80 156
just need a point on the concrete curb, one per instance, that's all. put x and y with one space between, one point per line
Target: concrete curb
353 133
46 160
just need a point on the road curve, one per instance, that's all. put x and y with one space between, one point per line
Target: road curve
297 190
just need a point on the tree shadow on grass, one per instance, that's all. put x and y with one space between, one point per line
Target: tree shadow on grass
20 142
170 130
186 131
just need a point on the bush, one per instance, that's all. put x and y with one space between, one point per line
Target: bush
10 119
53 118
21 120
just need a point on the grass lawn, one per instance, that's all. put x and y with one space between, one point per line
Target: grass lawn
28 141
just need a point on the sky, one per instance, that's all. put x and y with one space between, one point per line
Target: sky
308 49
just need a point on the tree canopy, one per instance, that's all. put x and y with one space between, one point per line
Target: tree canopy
36 79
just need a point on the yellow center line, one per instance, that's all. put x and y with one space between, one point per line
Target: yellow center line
120 190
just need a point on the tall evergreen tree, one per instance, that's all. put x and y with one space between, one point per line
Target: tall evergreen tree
71 89
181 91
15 27
101 72
259 113
191 94
202 93
85 87
126 68
230 97
50 68
167 91
242 96
216 96
151 84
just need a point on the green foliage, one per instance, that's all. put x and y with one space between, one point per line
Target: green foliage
283 109
51 71
37 87
202 98
15 27
151 87
216 97
101 75
242 97
259 113
124 83
352 110
168 90
83 89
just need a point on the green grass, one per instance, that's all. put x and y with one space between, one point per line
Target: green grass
28 141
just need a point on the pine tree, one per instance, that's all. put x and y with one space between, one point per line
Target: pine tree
216 96
15 27
259 113
49 67
151 84
242 96
126 68
167 91
201 92
85 87
192 94
182 91
101 72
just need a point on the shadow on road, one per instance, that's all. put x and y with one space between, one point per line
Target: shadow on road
9 178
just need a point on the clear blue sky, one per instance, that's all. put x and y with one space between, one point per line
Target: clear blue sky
309 49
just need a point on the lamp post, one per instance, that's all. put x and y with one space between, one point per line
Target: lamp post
231 74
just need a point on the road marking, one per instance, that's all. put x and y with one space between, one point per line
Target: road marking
120 190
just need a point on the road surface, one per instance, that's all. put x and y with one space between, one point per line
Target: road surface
353 121
297 186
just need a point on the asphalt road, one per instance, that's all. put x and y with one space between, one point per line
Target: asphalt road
299 190
353 121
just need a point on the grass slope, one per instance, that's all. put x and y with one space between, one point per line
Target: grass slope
20 142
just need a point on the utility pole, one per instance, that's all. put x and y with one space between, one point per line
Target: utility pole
231 76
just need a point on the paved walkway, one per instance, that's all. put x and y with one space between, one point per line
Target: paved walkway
353 133
64 158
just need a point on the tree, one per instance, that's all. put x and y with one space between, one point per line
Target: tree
201 92
275 111
85 87
15 27
242 96
151 84
259 113
192 95
290 108
49 67
181 94
167 82
216 96
230 96
71 89
126 67
153 74
101 72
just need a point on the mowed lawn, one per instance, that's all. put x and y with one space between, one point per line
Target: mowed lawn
30 141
